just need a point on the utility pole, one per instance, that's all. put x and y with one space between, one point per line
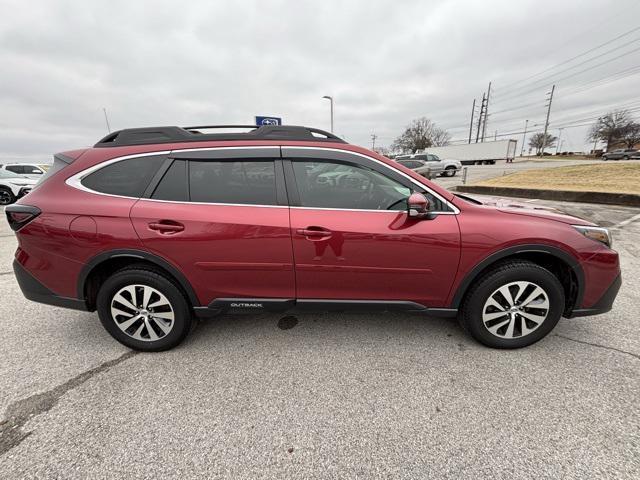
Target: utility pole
473 111
486 112
106 119
495 136
480 117
546 123
559 141
373 141
524 136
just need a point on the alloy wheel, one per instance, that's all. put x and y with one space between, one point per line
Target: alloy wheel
5 197
515 310
142 312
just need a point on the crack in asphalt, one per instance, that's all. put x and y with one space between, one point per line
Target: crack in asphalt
21 411
597 345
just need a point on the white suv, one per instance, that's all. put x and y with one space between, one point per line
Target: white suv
30 170
13 186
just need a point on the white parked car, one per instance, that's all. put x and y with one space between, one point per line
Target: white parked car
30 170
14 186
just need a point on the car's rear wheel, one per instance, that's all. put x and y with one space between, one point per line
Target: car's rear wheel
144 310
513 306
626 157
6 196
450 171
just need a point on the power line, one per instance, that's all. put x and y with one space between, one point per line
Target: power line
608 42
577 73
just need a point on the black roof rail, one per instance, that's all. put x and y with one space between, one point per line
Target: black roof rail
151 135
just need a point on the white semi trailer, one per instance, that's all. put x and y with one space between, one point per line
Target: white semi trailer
476 153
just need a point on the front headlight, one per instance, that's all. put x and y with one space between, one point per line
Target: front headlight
599 234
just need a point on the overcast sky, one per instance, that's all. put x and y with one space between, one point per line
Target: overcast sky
385 62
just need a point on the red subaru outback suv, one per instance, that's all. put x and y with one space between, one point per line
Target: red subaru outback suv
154 227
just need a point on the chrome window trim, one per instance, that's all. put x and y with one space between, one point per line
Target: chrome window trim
75 180
455 210
352 210
211 203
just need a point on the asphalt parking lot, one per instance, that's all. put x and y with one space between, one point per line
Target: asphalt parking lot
322 395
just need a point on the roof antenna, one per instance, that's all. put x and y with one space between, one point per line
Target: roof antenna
106 119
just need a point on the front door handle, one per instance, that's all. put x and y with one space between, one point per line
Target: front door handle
166 227
314 232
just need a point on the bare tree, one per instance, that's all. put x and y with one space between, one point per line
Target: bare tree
421 133
631 135
539 142
610 127
386 151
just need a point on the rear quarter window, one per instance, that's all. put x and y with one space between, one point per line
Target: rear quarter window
127 178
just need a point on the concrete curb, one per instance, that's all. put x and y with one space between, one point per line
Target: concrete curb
627 199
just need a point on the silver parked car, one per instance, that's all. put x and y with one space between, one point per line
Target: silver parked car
622 154
421 167
444 167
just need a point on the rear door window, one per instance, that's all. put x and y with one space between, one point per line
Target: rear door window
127 178
173 186
244 182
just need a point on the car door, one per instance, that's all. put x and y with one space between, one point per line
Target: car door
221 216
352 238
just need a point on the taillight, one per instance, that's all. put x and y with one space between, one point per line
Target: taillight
19 215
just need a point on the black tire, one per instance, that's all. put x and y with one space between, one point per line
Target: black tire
471 314
626 157
6 196
145 276
450 171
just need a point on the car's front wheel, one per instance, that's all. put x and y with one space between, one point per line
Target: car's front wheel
143 309
450 171
513 305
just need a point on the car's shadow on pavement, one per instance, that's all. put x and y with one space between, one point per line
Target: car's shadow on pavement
334 328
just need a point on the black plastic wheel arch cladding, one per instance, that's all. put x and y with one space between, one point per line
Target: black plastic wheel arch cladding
571 261
135 255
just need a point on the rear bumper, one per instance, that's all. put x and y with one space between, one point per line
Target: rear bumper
33 290
604 304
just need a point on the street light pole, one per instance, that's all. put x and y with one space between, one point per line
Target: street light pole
330 98
524 136
106 119
558 146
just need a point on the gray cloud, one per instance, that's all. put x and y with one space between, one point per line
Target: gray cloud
385 62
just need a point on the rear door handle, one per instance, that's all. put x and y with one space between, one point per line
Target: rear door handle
166 227
314 232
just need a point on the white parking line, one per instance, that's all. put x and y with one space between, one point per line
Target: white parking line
627 221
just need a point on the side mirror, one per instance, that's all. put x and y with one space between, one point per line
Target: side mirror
418 206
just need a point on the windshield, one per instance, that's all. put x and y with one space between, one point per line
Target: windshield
8 174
